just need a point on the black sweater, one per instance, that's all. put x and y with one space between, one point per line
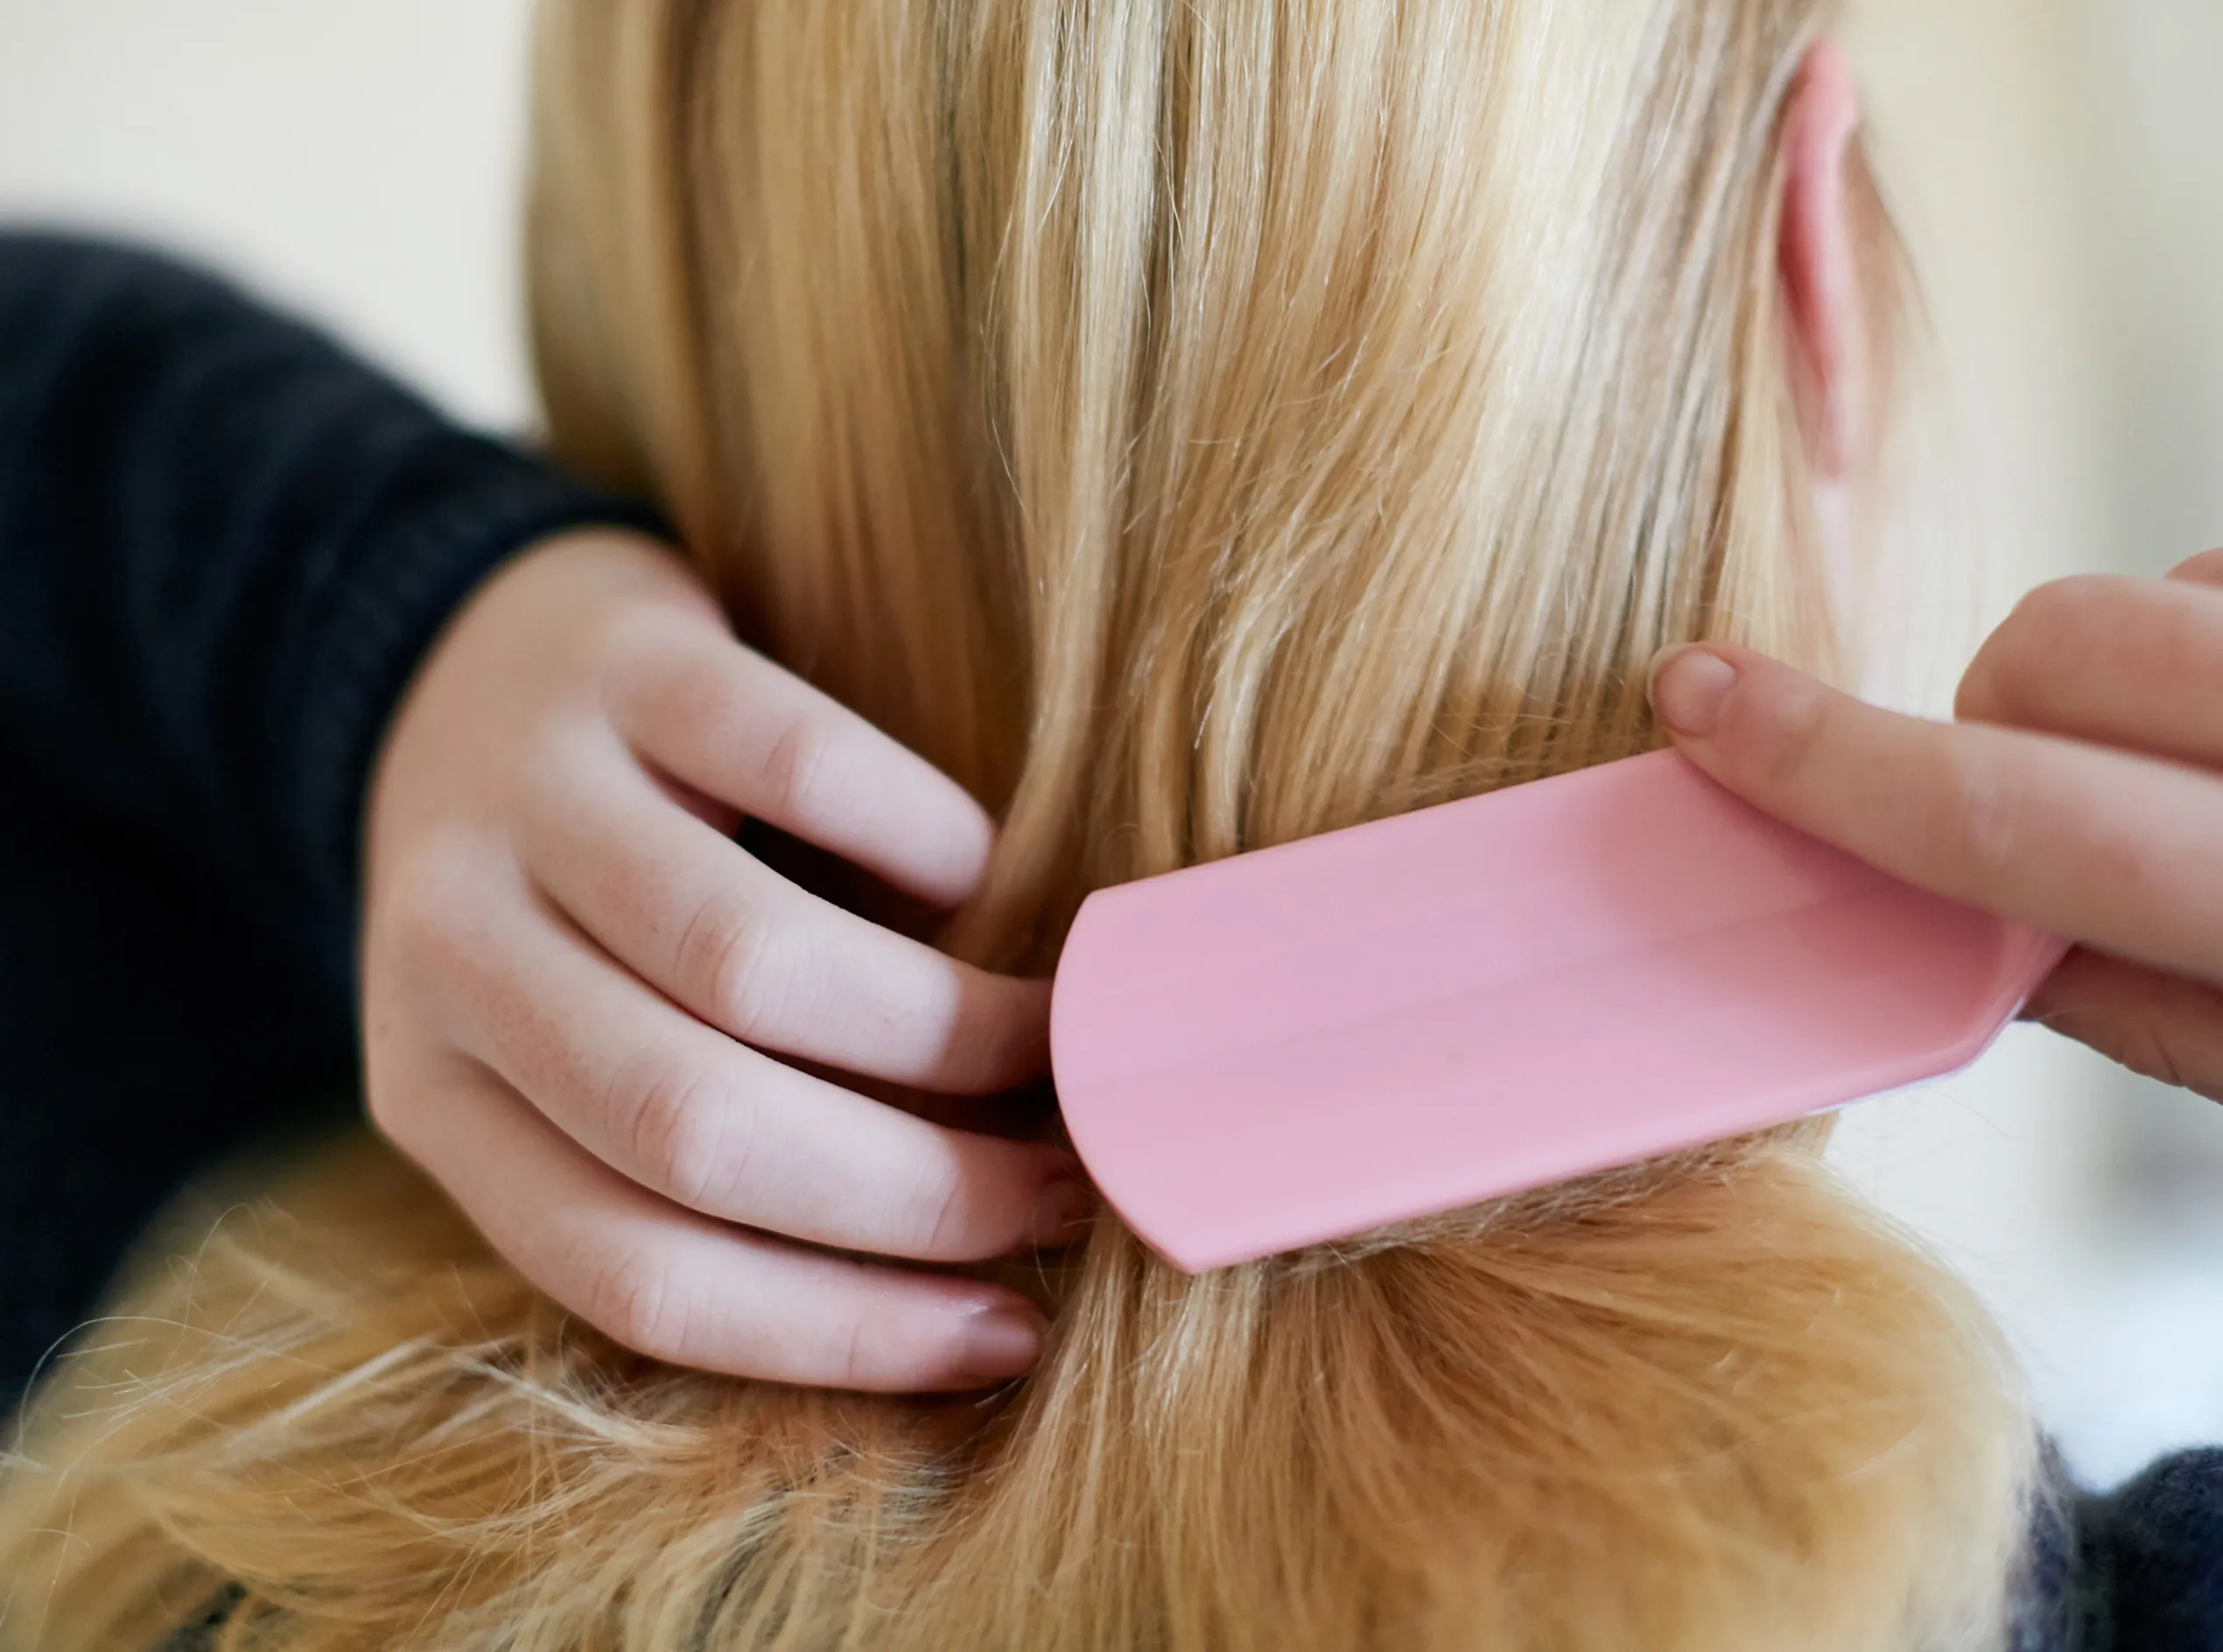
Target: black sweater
224 545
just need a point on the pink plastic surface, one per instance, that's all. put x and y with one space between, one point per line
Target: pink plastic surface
1315 1041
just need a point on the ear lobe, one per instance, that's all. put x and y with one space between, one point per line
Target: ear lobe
1819 261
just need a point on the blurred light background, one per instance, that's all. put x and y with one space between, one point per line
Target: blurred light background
2054 162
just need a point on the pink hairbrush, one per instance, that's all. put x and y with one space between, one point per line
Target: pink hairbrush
1309 1042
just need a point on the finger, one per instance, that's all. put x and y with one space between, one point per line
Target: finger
2159 1025
689 1291
714 1126
2136 663
2110 849
2206 569
750 953
724 720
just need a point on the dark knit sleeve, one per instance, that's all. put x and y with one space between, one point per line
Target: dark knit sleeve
2152 1559
224 545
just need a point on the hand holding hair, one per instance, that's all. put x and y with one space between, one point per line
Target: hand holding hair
575 983
2081 790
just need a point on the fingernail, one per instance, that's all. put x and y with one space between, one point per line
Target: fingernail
1062 1213
1689 686
1000 1342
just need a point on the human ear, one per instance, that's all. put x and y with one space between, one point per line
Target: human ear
1819 262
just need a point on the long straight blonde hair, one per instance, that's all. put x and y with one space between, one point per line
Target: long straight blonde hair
1194 424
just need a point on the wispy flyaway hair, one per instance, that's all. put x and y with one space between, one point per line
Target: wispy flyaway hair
1194 424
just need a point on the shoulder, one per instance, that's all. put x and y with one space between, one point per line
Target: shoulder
49 269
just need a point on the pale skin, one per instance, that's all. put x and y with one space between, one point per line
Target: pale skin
577 985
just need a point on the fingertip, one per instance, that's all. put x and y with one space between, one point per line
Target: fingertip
998 1340
950 872
1689 687
1000 1040
1021 1038
947 1336
1758 725
1064 1211
740 729
925 834
902 818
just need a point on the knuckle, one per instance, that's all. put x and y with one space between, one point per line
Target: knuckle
2144 1037
2049 628
430 903
2205 569
852 1340
2058 606
937 1215
2061 609
675 686
869 1351
799 767
632 1297
1000 1038
1983 829
544 775
728 958
682 1137
1795 731
2155 1053
634 638
857 1364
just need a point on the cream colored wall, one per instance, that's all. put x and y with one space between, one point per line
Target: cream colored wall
2052 160
354 156
2151 68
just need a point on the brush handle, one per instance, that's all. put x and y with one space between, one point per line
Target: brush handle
1315 1041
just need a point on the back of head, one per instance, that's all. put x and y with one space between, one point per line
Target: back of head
1194 424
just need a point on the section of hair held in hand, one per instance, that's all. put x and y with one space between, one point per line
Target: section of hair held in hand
1194 425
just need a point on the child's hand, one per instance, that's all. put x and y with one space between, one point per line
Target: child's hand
570 968
2082 790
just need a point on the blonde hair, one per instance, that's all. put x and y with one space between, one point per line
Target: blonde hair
1194 424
